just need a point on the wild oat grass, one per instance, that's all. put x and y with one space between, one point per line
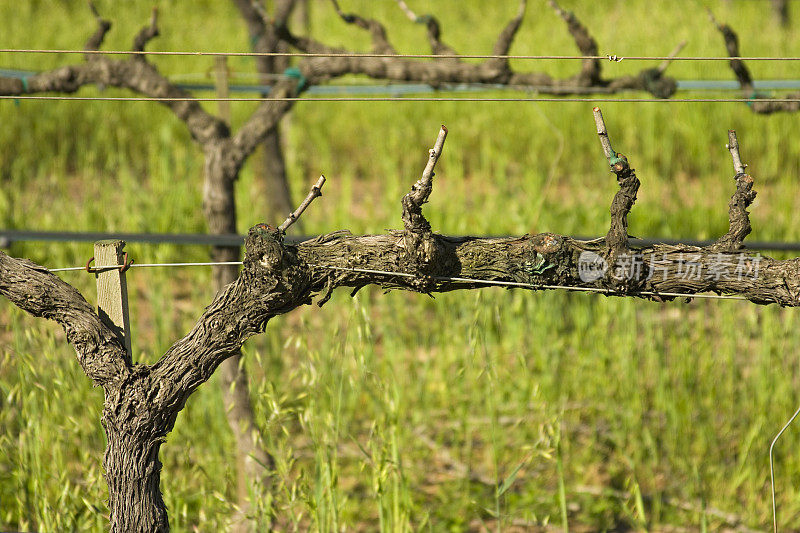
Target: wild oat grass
494 409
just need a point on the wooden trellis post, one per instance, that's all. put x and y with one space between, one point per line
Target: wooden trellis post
112 289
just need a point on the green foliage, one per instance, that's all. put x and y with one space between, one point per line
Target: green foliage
395 411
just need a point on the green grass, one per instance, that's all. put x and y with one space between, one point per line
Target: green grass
483 409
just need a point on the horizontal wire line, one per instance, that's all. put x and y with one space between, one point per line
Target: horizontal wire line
534 286
611 57
143 265
496 283
402 99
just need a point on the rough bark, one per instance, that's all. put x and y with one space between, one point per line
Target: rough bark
133 473
738 216
35 290
142 402
544 260
617 236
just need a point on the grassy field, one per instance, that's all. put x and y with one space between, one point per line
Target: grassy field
490 409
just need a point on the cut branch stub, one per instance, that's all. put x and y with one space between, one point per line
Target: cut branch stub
738 216
590 69
618 162
733 148
413 219
380 41
732 45
420 246
605 142
146 34
315 191
667 62
506 37
617 236
434 31
96 39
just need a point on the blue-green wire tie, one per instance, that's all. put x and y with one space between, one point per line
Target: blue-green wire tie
614 159
294 72
24 80
755 95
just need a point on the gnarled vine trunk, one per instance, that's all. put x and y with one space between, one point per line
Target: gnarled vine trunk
133 474
143 401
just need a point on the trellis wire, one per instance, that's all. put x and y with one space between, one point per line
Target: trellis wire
488 282
772 469
144 265
610 57
397 99
531 285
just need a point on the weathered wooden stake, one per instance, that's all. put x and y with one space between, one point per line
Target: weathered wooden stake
112 289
